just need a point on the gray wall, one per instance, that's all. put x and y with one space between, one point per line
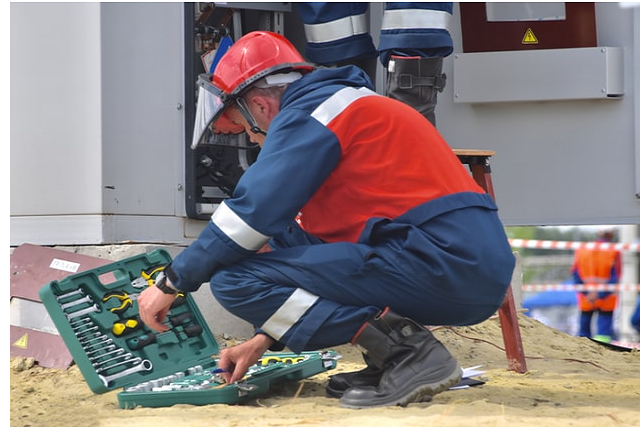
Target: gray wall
560 162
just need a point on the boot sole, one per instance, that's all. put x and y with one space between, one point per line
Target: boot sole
420 393
337 394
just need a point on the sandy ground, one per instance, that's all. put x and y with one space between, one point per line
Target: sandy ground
570 382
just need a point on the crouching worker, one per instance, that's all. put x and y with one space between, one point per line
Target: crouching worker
374 227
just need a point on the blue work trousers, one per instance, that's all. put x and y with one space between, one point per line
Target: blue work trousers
446 271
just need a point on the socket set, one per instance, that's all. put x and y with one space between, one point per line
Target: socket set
96 314
203 385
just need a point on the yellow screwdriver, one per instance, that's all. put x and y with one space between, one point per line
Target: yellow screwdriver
125 326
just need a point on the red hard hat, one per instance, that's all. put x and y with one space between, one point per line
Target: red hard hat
254 56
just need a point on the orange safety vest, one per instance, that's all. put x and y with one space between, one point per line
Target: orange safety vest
595 267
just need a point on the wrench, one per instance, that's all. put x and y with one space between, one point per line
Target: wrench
75 302
99 336
125 356
93 308
79 291
122 362
99 349
145 365
82 334
79 322
100 356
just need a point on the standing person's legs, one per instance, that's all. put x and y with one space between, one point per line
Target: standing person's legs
416 82
585 324
604 326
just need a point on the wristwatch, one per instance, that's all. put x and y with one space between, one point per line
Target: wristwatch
161 283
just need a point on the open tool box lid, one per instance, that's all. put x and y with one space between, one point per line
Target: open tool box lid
96 314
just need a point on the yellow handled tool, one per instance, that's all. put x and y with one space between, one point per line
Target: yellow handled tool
125 326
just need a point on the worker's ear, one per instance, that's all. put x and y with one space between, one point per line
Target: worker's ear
266 106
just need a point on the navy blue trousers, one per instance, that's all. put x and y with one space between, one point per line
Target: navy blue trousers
446 271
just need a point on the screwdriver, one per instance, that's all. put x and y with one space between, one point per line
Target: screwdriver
180 299
125 327
141 341
191 331
180 319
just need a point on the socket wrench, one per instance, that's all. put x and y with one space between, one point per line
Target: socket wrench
145 365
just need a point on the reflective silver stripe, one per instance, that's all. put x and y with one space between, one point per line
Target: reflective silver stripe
289 313
415 18
336 30
238 230
336 103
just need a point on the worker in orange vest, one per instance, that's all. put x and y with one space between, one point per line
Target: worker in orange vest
597 267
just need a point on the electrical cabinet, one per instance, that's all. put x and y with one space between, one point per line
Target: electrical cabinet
213 169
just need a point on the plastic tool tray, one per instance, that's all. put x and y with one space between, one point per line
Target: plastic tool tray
96 314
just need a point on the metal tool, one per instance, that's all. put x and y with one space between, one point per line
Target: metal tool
117 351
108 345
147 277
126 300
122 362
79 291
103 340
140 283
86 299
100 337
78 323
82 332
145 365
93 309
125 356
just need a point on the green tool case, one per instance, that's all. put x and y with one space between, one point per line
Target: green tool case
96 314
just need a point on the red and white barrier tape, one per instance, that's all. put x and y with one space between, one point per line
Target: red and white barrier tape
553 244
613 287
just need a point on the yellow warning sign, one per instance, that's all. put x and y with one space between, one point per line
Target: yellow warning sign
529 37
22 342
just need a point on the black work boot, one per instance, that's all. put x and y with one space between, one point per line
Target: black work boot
416 365
339 383
416 82
369 376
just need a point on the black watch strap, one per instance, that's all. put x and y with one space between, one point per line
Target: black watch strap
161 283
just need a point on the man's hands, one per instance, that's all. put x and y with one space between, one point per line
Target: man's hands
236 360
153 305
